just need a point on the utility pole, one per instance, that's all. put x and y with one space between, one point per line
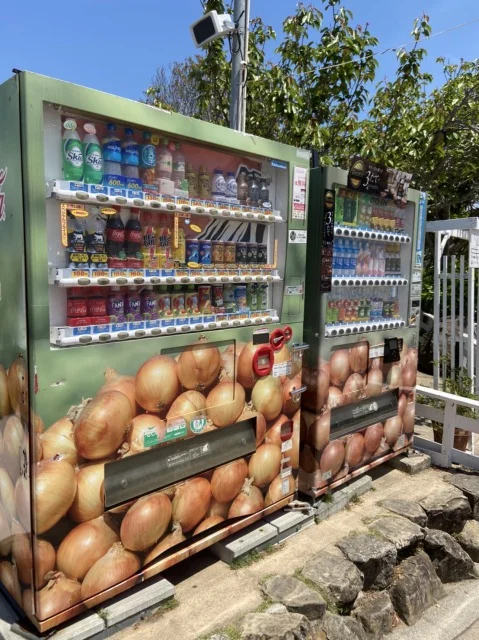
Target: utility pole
239 65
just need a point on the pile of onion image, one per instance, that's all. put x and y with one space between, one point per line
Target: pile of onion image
81 549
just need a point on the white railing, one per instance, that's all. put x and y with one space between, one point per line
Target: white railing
443 454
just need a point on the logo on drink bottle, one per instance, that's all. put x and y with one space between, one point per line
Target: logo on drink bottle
73 153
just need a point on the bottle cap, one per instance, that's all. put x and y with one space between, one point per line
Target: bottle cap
90 128
219 171
70 125
128 131
111 126
231 173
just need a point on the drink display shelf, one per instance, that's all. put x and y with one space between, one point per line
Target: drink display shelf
334 330
369 281
121 277
70 336
97 195
343 231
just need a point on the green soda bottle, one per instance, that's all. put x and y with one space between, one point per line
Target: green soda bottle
93 156
252 297
72 152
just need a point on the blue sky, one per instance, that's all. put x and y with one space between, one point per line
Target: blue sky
115 46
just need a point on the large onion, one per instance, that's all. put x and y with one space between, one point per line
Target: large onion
394 377
172 539
284 355
246 376
267 397
373 436
5 533
60 594
298 424
392 429
190 405
402 404
208 523
374 383
191 503
88 502
335 397
228 479
409 376
36 422
382 450
308 459
22 554
116 565
225 403
157 383
291 403
409 418
332 458
273 434
198 367
218 509
340 367
278 489
248 501
358 358
13 441
264 464
354 449
319 430
101 426
85 544
18 387
9 579
143 426
145 522
5 406
7 493
317 383
55 487
60 441
354 388
125 384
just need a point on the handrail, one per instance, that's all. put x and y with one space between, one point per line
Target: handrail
444 395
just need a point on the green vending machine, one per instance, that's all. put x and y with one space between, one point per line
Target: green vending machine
363 292
152 273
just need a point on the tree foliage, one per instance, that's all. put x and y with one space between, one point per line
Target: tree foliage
317 88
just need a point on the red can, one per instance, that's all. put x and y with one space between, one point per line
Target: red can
97 303
77 306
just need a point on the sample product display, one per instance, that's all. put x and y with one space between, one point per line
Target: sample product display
151 341
364 273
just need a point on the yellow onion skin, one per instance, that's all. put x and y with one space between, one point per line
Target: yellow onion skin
88 502
267 397
5 406
359 358
228 479
5 533
392 430
225 403
84 545
354 449
54 491
245 375
59 594
275 491
373 436
170 540
308 459
340 368
273 434
9 579
319 431
208 523
101 426
116 565
141 423
191 502
157 383
17 384
409 418
145 522
7 494
220 509
62 443
332 458
298 425
250 500
264 464
13 443
114 381
188 406
45 557
199 367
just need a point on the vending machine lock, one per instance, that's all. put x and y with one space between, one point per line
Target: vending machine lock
392 350
263 361
296 393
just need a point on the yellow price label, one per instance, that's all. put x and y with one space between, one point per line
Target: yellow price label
195 228
79 213
155 140
193 265
108 211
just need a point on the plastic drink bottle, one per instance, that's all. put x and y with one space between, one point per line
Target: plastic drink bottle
231 188
72 152
164 162
243 186
116 305
111 152
179 168
96 240
93 156
115 241
134 239
148 244
133 304
149 303
130 155
147 159
76 250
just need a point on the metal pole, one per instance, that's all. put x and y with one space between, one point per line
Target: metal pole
238 65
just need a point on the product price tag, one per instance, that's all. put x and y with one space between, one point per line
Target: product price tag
327 475
198 424
376 352
80 273
286 446
298 237
299 193
285 487
151 437
282 369
177 429
294 291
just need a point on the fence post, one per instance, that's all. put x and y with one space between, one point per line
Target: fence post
447 444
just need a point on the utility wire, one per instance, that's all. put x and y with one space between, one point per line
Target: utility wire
402 46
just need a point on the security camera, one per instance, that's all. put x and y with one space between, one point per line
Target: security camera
211 26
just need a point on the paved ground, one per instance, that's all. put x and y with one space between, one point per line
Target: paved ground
212 596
